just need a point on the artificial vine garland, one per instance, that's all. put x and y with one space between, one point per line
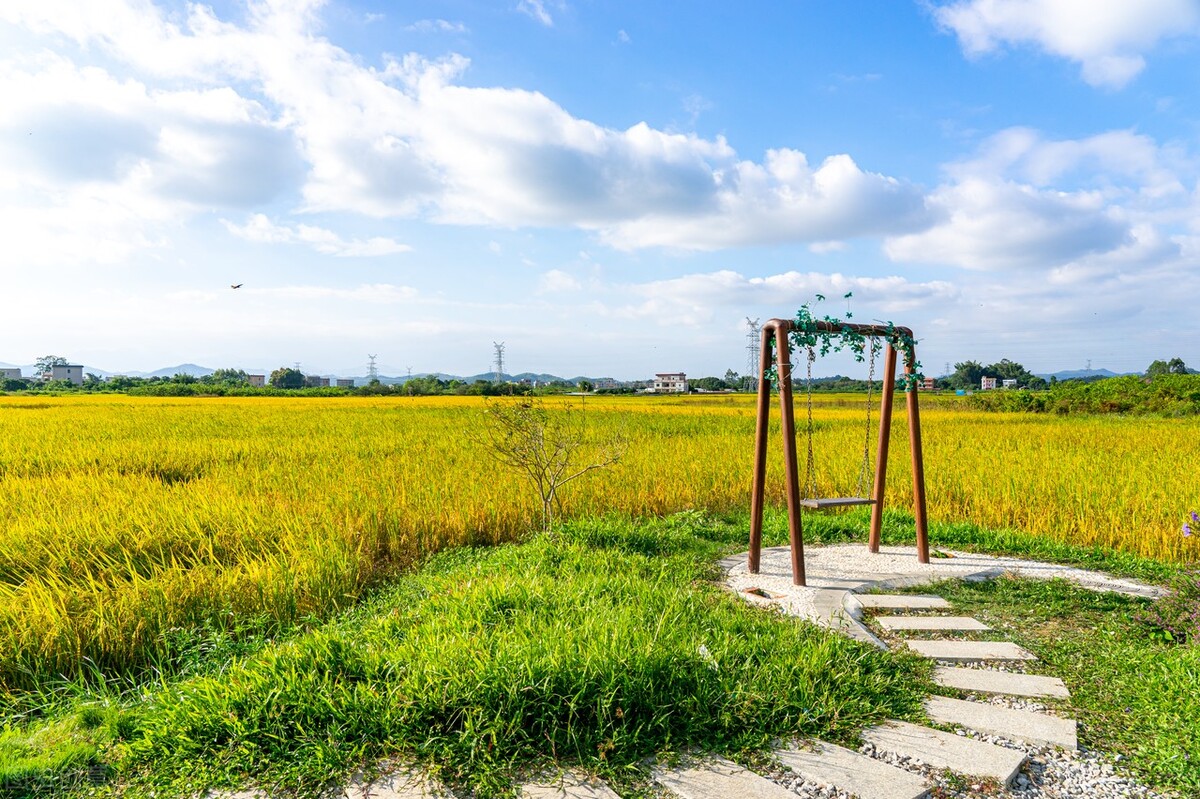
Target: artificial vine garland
806 334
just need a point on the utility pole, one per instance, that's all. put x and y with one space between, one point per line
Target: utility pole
372 370
408 382
499 345
753 352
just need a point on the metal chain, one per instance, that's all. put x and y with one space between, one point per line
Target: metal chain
810 472
864 471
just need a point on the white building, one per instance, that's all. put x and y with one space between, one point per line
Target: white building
1010 382
345 382
987 383
10 374
72 373
670 383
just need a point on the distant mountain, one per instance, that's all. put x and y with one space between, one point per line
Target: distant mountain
182 369
1080 374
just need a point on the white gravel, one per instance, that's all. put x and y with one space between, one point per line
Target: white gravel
899 565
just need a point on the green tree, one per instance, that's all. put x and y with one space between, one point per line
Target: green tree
1175 366
585 385
43 365
709 383
286 377
966 374
232 377
1009 370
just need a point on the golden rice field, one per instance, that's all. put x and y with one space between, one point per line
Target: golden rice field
122 518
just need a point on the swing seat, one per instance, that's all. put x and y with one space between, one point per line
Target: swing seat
835 502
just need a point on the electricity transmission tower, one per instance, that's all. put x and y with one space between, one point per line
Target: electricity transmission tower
372 370
753 352
499 345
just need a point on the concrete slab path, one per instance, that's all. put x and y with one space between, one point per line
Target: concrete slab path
568 786
1000 682
943 623
1020 725
719 779
854 773
970 651
902 601
944 750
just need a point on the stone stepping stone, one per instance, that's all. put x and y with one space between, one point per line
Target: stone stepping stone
1020 725
970 651
719 779
945 750
568 786
1000 682
902 601
949 623
403 783
854 773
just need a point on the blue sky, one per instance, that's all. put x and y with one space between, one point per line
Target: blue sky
609 188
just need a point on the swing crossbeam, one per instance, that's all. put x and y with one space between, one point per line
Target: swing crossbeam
774 339
820 503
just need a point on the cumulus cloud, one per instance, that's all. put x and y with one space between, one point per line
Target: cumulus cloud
992 224
698 299
1107 38
1026 202
409 140
261 230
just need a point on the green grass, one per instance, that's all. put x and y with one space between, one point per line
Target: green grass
601 646
604 645
1133 693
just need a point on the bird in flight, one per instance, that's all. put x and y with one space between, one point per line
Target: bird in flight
235 286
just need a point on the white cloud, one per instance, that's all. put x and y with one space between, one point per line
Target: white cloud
698 299
436 26
988 224
1112 162
262 230
1103 202
623 37
408 140
557 281
1106 37
381 293
536 9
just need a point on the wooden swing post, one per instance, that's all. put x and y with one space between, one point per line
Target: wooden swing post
774 334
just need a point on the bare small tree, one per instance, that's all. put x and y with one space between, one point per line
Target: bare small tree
550 448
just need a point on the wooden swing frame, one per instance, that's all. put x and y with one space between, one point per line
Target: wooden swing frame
775 334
